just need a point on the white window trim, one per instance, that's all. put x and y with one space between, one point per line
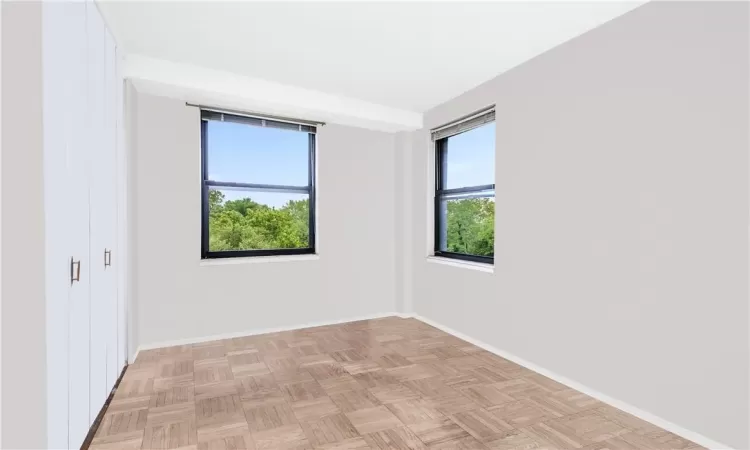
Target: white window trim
258 260
471 265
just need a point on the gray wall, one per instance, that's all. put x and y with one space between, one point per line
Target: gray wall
622 215
178 298
24 378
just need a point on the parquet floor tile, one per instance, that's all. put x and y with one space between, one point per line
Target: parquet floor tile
303 391
373 419
355 399
212 370
269 416
411 372
129 403
415 411
590 426
344 383
291 437
389 383
438 431
297 375
219 432
464 443
174 367
514 440
261 398
375 378
124 441
432 387
520 413
395 438
123 422
170 435
315 409
481 424
234 442
172 396
329 430
393 393
486 394
553 435
453 404
357 443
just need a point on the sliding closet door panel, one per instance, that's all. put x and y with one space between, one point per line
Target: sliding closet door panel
57 19
77 234
109 212
98 235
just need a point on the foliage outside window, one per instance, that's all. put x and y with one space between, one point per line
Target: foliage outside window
465 191
258 186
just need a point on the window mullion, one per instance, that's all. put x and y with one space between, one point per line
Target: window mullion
259 187
466 190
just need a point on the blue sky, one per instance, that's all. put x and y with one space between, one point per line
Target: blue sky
471 157
250 154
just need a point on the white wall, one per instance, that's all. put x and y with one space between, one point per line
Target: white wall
177 297
24 389
622 215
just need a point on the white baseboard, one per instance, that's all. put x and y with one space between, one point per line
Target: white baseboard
637 412
216 337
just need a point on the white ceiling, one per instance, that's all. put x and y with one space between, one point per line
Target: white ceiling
411 56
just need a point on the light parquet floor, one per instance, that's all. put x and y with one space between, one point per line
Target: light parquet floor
389 383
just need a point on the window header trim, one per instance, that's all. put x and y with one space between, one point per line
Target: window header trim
255 187
465 123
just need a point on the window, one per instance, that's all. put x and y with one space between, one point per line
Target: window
465 188
258 186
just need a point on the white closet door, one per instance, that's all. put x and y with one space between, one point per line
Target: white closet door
109 212
78 230
97 206
56 26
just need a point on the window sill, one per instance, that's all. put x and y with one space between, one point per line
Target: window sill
471 265
258 260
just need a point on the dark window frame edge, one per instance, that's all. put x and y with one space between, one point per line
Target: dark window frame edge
489 260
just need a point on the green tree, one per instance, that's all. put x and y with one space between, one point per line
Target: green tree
471 226
244 224
243 205
215 200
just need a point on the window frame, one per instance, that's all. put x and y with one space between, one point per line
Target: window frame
441 166
207 184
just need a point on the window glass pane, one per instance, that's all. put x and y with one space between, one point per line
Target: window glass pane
242 220
467 223
242 153
470 158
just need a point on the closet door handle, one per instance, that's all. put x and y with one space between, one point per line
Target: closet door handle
75 270
107 257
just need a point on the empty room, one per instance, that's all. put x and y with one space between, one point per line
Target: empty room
505 225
